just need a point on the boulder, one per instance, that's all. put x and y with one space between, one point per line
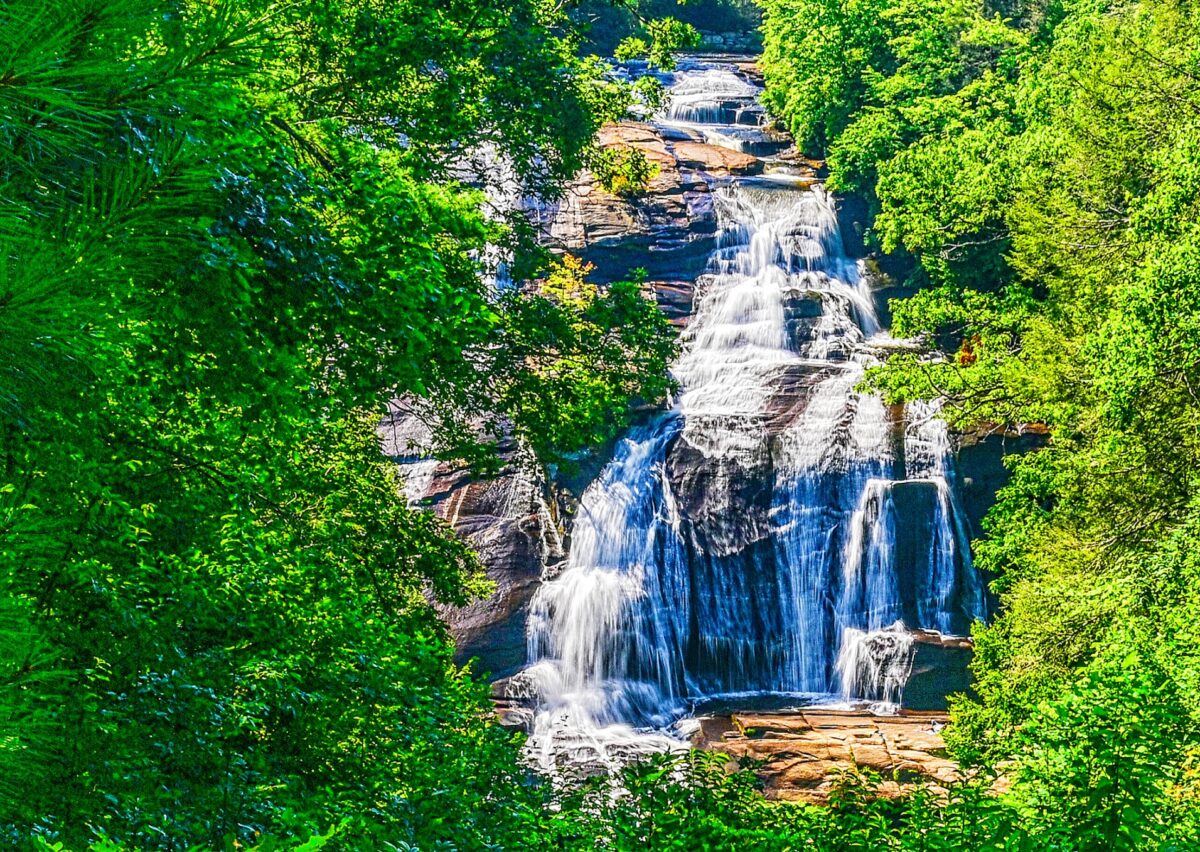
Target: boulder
724 500
940 668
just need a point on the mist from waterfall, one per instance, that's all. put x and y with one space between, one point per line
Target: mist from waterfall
813 592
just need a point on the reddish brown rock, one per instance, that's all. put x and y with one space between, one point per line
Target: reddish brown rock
669 229
803 750
676 299
715 159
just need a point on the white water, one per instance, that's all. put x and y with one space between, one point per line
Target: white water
812 591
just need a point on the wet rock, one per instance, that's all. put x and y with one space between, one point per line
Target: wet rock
802 312
724 500
680 134
940 668
514 715
802 750
798 158
793 390
916 502
519 689
853 220
752 70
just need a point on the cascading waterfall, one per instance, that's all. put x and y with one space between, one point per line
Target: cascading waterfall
777 531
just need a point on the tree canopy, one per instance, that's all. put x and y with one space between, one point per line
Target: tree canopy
232 232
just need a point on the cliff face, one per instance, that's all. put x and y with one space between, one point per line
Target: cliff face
670 229
508 521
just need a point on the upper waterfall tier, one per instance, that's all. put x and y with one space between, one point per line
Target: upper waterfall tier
778 530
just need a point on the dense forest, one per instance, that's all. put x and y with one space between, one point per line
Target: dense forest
230 233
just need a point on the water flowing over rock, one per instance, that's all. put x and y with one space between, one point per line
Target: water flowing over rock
777 532
714 130
776 539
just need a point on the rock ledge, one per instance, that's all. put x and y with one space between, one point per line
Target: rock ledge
801 750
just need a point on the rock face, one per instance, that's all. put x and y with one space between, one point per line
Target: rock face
508 527
801 750
939 668
508 522
980 459
670 229
676 299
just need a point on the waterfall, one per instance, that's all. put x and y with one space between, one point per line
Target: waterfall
875 663
778 532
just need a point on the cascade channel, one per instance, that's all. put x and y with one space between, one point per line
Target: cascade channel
776 533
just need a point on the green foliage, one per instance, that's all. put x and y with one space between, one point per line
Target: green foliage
667 37
1103 766
633 47
579 358
30 687
623 169
1041 169
606 25
664 37
231 232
